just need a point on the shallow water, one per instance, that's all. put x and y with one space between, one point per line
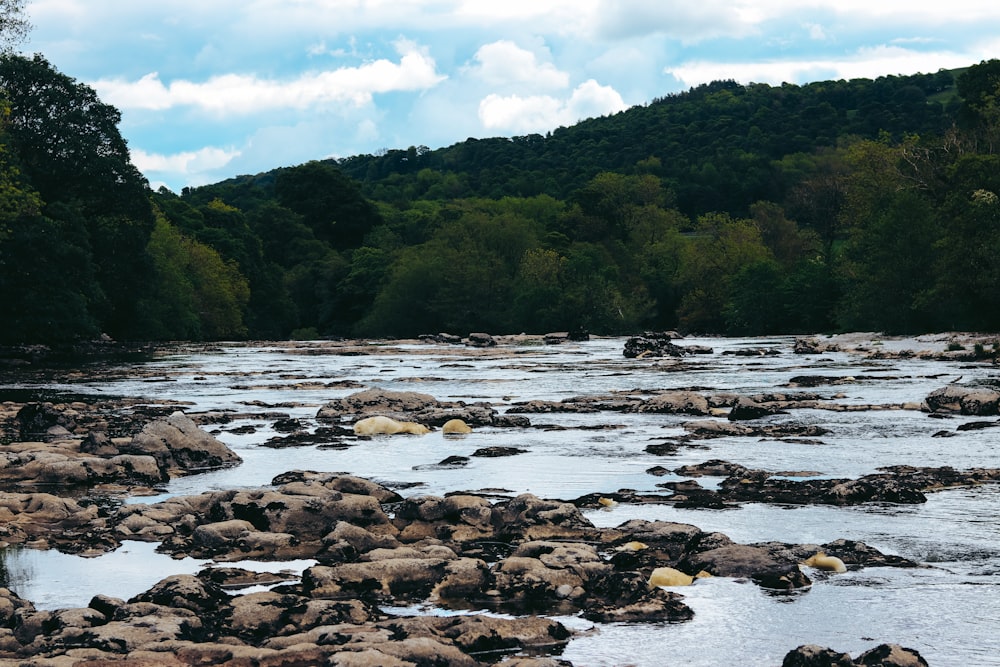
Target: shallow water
948 610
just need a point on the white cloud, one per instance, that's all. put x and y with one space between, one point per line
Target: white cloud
228 94
504 62
866 63
538 113
689 22
187 164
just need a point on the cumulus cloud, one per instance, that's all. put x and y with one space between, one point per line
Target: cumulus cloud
866 63
185 162
227 94
504 62
539 113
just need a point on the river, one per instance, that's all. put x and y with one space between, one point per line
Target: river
948 611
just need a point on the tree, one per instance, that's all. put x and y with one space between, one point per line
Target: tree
14 26
69 150
329 202
711 264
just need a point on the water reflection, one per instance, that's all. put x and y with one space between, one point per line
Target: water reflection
54 580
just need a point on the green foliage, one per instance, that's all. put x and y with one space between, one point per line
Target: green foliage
196 294
727 209
67 148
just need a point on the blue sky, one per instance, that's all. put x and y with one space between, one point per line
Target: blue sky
210 89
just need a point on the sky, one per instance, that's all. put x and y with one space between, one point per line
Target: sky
211 89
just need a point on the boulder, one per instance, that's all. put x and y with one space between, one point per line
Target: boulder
480 340
180 446
965 400
676 402
378 402
652 345
739 560
747 408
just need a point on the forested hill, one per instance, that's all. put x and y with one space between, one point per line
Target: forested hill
713 146
727 209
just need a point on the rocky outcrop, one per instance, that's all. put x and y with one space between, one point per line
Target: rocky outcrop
179 446
412 406
653 345
884 655
965 400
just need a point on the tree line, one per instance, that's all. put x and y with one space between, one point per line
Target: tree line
839 205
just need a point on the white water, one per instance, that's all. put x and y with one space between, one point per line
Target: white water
948 612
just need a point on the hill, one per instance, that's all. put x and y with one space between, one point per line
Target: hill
862 204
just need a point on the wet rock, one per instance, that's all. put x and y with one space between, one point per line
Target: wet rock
530 517
377 401
479 339
753 352
740 560
498 451
64 522
813 346
884 655
966 400
180 446
718 429
288 425
891 655
543 573
747 408
810 655
402 575
652 345
656 605
679 402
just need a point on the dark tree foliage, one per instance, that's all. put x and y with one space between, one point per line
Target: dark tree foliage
727 209
330 204
68 149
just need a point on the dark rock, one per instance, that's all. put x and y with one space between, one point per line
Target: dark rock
651 345
891 655
747 408
288 425
498 451
480 340
810 655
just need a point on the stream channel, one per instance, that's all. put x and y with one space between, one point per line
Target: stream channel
948 610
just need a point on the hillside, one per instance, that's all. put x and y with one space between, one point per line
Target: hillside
863 204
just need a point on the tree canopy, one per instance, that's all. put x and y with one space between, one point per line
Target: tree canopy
862 204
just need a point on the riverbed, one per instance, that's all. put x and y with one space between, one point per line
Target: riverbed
947 610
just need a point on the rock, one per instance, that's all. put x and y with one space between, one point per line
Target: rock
530 517
740 560
676 402
556 337
498 451
377 401
810 655
180 446
747 408
480 340
655 606
884 655
813 346
652 345
380 425
455 426
891 655
966 400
